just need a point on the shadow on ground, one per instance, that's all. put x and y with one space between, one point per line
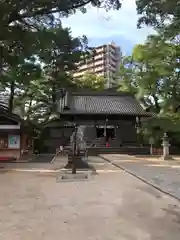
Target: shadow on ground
80 165
42 158
3 170
174 211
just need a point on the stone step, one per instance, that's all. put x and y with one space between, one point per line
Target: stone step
121 150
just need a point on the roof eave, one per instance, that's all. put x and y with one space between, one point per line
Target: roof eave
105 113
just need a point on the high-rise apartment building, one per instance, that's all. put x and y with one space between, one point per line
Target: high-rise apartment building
104 61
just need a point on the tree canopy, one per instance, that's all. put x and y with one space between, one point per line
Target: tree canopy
162 15
22 22
12 10
152 74
91 81
35 48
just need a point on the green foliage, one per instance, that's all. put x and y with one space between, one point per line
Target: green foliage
23 21
158 125
128 76
37 53
55 57
18 10
162 15
16 77
91 81
58 57
152 74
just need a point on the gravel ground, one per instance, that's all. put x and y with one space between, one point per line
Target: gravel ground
110 206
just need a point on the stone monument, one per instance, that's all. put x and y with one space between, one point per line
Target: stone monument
77 146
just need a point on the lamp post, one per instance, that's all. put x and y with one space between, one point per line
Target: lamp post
138 131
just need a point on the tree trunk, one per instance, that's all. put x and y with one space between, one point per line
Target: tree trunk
156 103
175 97
29 109
11 98
53 93
22 110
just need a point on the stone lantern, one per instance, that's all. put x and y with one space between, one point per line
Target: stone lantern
166 145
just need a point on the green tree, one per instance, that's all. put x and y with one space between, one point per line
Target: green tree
91 81
128 75
30 98
58 56
160 14
16 77
30 28
23 21
152 74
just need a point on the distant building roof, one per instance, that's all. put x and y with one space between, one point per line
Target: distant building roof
105 102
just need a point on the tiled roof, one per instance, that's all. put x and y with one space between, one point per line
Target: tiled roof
4 112
106 104
4 102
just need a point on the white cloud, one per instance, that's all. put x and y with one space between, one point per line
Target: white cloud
97 23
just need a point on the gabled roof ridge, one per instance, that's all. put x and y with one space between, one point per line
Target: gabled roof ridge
102 93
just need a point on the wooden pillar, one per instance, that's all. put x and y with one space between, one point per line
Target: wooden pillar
139 125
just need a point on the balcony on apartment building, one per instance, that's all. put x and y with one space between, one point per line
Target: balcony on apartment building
98 66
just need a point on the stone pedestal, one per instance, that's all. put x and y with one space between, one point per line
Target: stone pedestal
67 176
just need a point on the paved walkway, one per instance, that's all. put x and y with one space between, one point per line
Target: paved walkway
162 174
113 206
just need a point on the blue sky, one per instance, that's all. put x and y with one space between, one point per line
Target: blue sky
102 27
